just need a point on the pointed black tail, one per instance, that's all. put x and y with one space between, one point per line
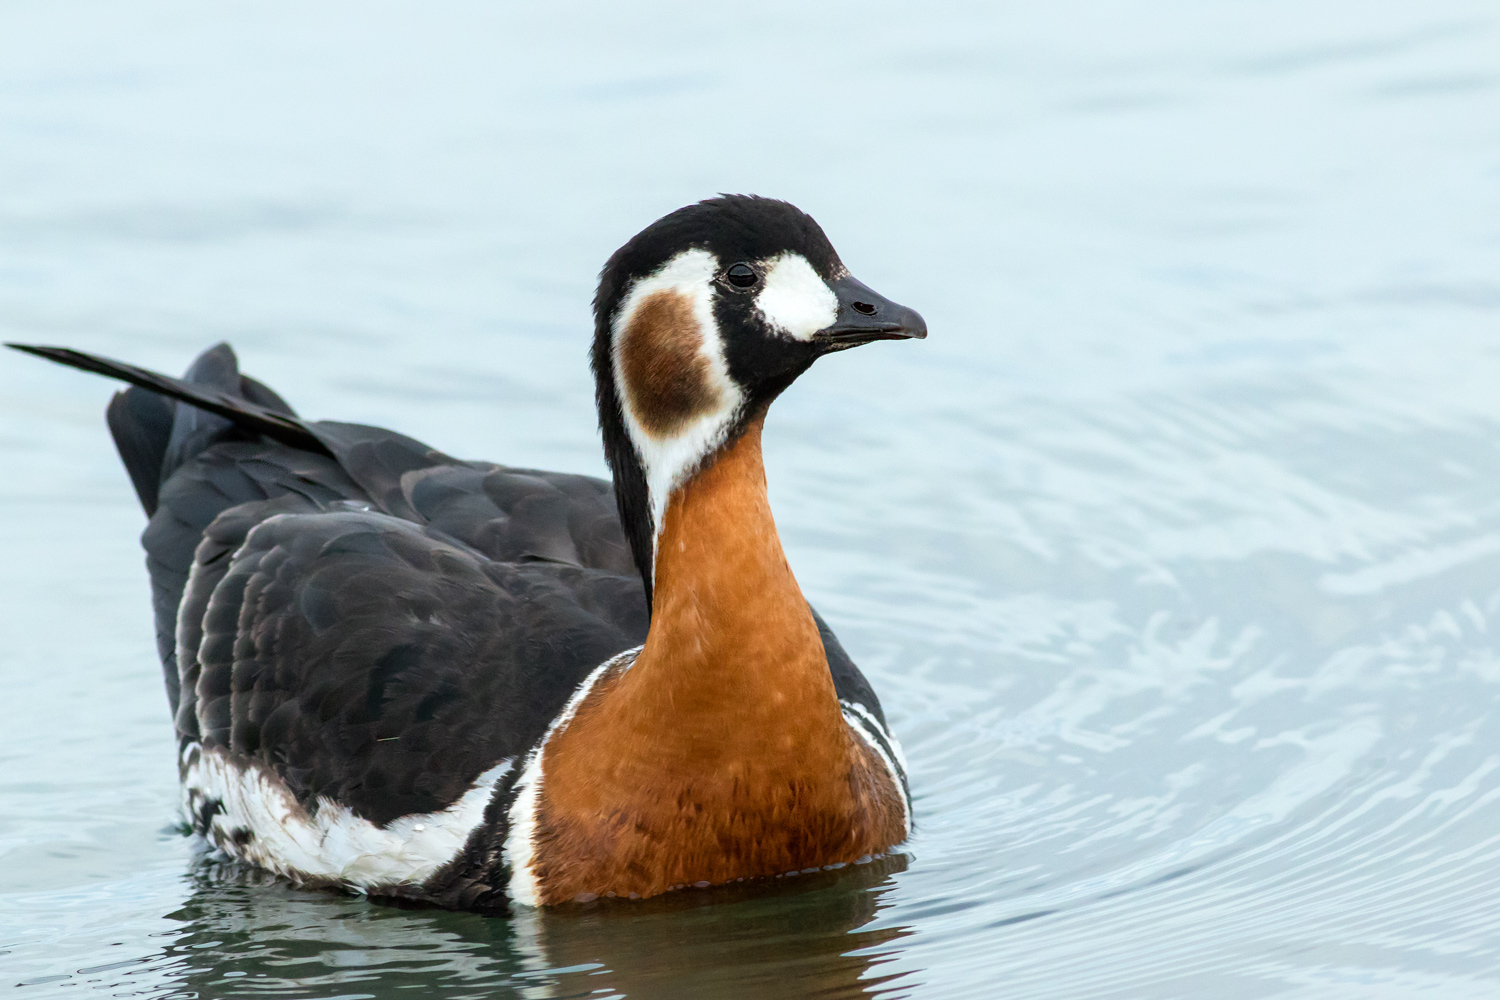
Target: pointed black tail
155 438
275 425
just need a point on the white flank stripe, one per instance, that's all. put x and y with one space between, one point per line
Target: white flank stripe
873 724
520 839
330 843
857 724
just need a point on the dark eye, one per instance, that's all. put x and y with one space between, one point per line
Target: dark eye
742 275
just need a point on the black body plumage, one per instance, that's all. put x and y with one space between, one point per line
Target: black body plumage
370 620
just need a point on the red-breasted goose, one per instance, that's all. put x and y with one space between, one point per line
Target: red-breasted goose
409 675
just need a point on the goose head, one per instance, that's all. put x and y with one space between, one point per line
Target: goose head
701 321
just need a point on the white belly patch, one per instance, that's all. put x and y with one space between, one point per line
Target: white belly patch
328 844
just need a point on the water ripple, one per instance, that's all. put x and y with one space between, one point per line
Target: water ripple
1173 552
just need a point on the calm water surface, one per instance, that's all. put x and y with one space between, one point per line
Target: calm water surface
1174 553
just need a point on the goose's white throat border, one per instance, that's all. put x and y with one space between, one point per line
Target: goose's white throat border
667 460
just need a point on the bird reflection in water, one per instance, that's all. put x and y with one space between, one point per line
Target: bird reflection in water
247 933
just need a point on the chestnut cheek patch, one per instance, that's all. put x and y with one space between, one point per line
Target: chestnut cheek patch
668 378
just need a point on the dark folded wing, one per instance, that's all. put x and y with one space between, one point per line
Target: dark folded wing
380 663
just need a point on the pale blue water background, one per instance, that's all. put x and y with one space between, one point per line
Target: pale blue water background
1174 552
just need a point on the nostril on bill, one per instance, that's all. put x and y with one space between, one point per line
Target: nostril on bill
866 308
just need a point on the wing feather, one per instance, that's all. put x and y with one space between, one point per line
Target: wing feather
384 664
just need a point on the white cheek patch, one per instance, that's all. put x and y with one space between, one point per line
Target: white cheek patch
795 301
669 458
